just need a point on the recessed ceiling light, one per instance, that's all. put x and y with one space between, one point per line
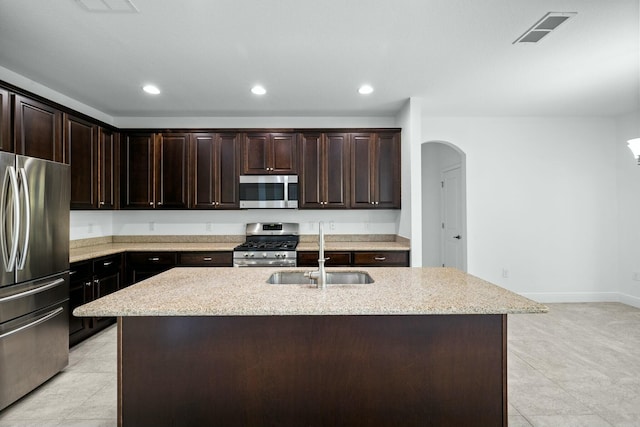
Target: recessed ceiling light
151 89
365 90
258 90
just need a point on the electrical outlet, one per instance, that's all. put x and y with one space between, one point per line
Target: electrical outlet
505 273
332 225
207 226
152 226
636 276
90 228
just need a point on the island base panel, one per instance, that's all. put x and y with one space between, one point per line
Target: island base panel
434 370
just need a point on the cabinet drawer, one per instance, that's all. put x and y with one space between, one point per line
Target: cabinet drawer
153 258
102 266
212 259
80 272
383 259
335 259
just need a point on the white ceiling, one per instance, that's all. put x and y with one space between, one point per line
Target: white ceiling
312 55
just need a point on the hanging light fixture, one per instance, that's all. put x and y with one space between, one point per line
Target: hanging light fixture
634 146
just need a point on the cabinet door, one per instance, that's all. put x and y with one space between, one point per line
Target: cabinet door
80 292
387 170
227 171
107 158
215 171
171 178
284 154
311 185
37 129
336 170
362 170
137 171
81 145
256 154
5 134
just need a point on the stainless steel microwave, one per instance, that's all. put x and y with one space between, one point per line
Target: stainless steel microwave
268 191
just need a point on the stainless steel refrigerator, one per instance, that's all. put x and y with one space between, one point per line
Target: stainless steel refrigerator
34 273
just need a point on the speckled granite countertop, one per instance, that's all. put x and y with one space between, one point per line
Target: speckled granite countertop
244 292
95 251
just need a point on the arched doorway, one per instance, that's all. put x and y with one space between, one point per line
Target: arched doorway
444 217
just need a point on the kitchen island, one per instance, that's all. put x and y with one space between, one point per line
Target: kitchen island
221 347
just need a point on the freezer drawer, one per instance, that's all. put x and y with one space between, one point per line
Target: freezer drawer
24 298
33 348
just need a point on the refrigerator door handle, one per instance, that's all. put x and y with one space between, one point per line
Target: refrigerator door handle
10 261
27 214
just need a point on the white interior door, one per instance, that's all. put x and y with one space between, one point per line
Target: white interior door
452 245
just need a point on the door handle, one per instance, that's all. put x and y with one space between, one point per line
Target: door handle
457 237
27 218
10 260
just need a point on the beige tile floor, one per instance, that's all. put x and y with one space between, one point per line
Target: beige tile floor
578 365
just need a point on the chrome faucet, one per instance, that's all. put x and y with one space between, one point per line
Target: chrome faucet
320 275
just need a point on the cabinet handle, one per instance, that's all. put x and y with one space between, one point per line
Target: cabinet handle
101 203
87 284
159 203
154 259
72 272
380 258
207 258
150 203
107 263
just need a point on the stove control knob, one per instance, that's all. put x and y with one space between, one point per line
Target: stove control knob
283 255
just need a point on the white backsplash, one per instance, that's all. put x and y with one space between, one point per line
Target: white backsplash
88 224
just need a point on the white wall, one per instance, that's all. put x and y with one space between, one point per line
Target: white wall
541 202
628 176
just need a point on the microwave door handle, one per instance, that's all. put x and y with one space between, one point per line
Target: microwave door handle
27 218
10 261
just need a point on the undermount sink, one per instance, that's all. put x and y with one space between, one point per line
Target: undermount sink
333 278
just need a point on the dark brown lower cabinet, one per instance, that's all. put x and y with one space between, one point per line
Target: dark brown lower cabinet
355 259
206 259
404 370
91 280
142 265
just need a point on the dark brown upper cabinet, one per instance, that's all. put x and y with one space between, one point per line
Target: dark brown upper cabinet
269 153
325 169
375 170
215 169
92 153
37 129
108 156
5 122
155 171
81 148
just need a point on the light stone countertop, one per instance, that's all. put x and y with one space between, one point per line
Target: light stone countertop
228 291
95 251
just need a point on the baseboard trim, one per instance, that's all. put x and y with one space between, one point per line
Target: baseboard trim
551 297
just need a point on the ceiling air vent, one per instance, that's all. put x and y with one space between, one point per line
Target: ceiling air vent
544 26
108 6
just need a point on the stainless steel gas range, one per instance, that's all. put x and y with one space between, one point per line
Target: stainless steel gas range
268 245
